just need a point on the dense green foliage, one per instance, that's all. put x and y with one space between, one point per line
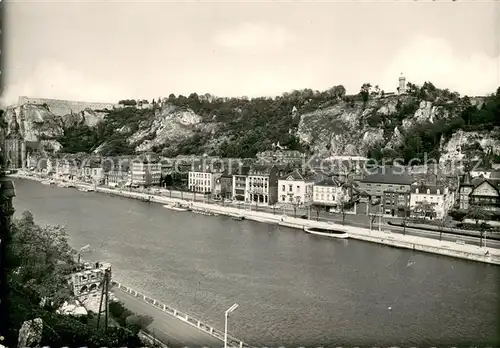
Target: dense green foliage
244 127
422 141
39 262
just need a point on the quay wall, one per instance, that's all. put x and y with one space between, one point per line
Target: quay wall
219 334
463 251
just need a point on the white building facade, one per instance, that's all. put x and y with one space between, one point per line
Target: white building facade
145 173
330 192
295 189
261 185
438 197
202 182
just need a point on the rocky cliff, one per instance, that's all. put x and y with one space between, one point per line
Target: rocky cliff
319 122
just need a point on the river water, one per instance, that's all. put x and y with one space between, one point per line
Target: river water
292 288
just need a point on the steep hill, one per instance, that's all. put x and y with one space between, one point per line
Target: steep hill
425 121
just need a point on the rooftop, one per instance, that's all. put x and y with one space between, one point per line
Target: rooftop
389 175
428 189
296 176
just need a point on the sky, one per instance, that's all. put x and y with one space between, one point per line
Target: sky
111 50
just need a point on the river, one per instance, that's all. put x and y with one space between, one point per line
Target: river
292 288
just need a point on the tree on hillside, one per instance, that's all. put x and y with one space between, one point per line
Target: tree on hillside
365 92
128 102
42 259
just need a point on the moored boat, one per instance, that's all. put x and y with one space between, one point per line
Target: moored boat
176 207
204 212
239 218
330 232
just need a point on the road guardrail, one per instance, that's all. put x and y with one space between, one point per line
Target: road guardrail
219 334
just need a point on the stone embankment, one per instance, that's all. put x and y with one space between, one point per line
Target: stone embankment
463 251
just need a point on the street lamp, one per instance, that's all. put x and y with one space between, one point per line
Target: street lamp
226 315
82 250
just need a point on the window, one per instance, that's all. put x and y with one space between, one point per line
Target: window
283 188
416 190
438 192
428 191
290 188
298 189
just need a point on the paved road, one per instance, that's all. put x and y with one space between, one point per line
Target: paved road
170 330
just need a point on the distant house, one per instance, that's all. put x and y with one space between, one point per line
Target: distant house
327 192
224 186
480 192
262 184
116 177
438 198
239 186
391 187
385 179
145 172
295 188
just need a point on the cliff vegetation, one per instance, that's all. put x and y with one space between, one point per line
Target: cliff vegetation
424 121
39 261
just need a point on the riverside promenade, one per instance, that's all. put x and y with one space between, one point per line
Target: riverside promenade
385 237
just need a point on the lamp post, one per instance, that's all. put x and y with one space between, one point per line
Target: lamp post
7 193
82 250
226 315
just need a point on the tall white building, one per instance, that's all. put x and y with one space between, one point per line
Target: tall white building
203 182
261 184
437 197
295 188
145 172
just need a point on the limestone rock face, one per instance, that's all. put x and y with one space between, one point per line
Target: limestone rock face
454 149
170 126
30 333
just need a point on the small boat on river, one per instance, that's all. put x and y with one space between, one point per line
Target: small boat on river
330 232
239 218
204 212
176 207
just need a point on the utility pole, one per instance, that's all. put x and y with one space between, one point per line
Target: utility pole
7 192
105 296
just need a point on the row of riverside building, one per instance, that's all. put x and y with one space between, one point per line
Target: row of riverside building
262 182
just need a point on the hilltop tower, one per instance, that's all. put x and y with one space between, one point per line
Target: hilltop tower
402 84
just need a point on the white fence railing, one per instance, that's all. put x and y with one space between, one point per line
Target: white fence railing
219 334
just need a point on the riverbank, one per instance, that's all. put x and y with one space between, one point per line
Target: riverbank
452 249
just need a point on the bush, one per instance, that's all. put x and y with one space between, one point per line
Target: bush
457 214
119 313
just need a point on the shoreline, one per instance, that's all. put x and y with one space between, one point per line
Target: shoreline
451 249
